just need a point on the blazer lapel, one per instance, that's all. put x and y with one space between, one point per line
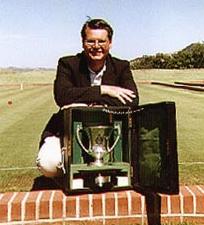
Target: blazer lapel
109 76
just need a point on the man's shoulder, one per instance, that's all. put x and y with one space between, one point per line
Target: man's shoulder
117 62
70 59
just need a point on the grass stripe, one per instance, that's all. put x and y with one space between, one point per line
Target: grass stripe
23 105
22 134
22 123
22 97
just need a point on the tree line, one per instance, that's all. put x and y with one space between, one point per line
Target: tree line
191 56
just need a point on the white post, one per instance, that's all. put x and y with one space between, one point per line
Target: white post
21 87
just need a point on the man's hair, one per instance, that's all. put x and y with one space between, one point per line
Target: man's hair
96 24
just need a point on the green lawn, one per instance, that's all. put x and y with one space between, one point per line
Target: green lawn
23 120
21 125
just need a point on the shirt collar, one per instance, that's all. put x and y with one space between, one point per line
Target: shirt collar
100 72
96 78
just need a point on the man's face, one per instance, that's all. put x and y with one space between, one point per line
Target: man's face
96 44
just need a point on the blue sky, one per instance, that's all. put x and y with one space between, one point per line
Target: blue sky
35 33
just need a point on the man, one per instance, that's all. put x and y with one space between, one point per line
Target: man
92 77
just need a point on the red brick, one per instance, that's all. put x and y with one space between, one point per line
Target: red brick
97 205
187 200
56 200
4 207
110 204
199 199
122 203
136 203
30 206
84 206
16 206
44 205
164 204
57 205
70 206
175 204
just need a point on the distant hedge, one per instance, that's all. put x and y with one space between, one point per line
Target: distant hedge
190 57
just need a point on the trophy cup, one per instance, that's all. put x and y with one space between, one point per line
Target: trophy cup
98 141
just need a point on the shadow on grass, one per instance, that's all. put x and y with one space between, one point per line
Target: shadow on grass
45 183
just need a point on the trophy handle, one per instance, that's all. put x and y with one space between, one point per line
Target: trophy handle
117 127
78 129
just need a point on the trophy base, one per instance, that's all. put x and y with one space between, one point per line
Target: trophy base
106 177
100 180
97 163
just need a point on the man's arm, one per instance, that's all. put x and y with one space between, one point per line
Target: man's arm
66 91
125 93
65 87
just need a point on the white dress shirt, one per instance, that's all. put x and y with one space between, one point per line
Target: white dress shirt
96 78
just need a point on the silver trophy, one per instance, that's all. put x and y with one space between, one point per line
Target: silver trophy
99 137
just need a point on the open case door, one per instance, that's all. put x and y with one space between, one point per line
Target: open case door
154 149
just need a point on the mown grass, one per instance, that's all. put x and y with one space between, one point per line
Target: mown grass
26 77
21 125
169 75
23 121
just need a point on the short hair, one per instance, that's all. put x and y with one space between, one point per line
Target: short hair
97 24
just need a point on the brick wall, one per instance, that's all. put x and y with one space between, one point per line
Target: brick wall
123 207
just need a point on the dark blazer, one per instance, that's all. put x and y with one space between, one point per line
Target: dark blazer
73 85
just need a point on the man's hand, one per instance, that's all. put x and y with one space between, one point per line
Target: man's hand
122 94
